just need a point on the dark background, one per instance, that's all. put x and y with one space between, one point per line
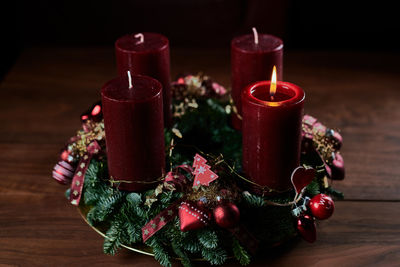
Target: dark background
303 25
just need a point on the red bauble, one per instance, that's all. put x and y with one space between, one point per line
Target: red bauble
227 215
337 167
322 206
192 217
306 228
66 155
63 172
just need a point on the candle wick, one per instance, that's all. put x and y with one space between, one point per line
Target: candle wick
272 97
140 36
255 33
129 79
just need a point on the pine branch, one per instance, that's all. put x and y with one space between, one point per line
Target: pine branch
91 216
335 193
134 232
166 197
105 206
189 243
216 256
112 240
313 188
91 174
208 238
93 194
185 260
240 253
160 254
134 199
253 200
94 188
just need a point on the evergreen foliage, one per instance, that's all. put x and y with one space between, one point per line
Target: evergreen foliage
240 253
124 214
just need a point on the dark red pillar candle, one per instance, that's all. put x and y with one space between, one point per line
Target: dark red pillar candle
271 133
252 62
147 54
133 121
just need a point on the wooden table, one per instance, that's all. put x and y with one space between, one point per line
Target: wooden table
45 92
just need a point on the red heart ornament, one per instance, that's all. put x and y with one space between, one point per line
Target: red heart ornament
192 217
301 177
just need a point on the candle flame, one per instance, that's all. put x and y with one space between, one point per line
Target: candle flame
272 88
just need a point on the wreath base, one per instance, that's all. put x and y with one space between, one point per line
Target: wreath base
142 248
138 247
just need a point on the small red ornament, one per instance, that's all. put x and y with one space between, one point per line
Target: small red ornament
94 113
202 202
322 206
192 217
63 172
227 215
306 228
66 155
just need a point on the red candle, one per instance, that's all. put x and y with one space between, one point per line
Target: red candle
147 54
133 121
252 58
272 132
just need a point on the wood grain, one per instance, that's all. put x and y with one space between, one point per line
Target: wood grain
39 229
43 95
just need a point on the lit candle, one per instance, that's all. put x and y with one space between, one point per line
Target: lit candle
272 115
133 122
147 54
252 56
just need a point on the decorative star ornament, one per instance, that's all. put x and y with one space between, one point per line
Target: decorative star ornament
201 170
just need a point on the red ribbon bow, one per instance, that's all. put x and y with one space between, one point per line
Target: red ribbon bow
79 176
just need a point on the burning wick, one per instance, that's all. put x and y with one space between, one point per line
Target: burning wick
272 87
129 79
255 35
140 36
